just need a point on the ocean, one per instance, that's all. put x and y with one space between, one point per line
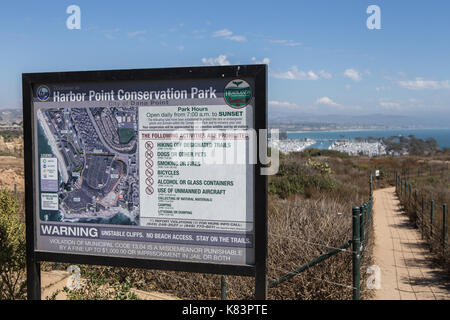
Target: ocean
442 136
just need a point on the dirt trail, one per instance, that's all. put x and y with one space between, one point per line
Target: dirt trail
407 271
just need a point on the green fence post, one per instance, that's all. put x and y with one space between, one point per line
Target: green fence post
356 245
431 224
15 189
361 227
410 192
444 228
367 221
423 214
223 287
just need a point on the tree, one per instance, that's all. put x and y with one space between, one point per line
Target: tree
12 249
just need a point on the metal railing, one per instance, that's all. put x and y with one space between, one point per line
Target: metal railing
424 211
361 226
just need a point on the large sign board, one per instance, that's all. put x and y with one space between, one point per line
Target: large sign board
147 168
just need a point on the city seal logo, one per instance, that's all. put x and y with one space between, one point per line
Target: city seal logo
237 93
43 93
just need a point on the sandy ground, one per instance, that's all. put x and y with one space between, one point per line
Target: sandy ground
407 271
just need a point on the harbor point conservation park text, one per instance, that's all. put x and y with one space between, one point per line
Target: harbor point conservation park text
121 94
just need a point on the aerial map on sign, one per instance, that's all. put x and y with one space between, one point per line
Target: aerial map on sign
96 154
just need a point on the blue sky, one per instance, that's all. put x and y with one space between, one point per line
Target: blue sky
322 58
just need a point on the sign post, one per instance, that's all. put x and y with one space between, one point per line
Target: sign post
151 168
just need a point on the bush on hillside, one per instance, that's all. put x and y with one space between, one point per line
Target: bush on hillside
301 178
12 249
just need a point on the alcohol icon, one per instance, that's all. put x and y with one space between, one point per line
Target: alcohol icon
149 190
149 181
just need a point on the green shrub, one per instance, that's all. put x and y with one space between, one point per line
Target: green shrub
301 178
12 249
312 152
96 286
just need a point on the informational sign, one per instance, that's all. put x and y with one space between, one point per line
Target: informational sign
150 169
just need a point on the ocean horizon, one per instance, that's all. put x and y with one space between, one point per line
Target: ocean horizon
442 136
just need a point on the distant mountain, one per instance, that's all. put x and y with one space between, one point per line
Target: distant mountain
306 121
376 119
9 116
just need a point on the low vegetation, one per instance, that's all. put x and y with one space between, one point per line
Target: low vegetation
12 248
310 202
95 286
411 144
432 184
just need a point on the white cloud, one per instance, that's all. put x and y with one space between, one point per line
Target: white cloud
137 33
295 74
282 104
263 61
422 84
228 34
180 48
237 38
327 101
382 88
285 105
353 74
111 34
222 33
288 43
325 74
389 105
221 60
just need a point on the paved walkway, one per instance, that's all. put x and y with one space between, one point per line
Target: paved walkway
407 272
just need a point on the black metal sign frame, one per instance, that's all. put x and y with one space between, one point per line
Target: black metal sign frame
34 257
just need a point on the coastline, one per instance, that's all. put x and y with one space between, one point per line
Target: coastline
363 130
442 136
52 143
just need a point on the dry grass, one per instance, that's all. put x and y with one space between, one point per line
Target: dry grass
430 187
301 228
297 235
